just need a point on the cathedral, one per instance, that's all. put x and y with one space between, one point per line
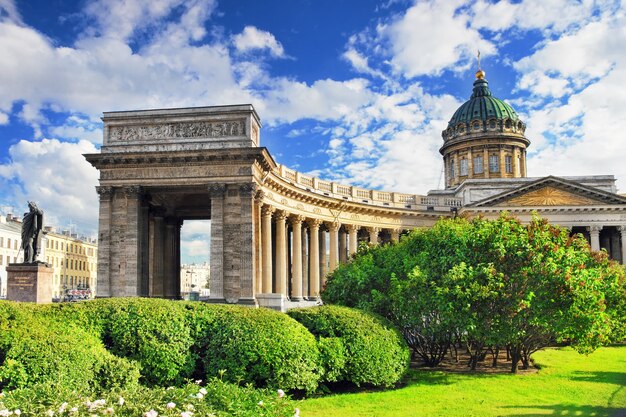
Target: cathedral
275 232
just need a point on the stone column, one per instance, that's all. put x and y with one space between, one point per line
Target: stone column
594 233
523 167
314 258
296 285
502 163
170 258
323 257
486 162
470 164
245 247
373 232
104 241
158 253
395 235
352 230
342 245
266 235
333 231
132 239
258 242
305 261
144 247
281 253
622 230
217 191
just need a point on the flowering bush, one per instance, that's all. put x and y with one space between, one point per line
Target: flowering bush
217 398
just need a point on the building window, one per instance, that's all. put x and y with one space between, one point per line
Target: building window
0 260
464 166
508 163
478 165
493 163
15 244
1 242
451 168
56 244
476 125
9 243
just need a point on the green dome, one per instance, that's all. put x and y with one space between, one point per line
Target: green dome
482 106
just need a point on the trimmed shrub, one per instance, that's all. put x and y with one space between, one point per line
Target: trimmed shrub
367 350
258 346
38 350
153 332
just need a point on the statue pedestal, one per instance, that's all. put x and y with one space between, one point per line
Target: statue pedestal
30 282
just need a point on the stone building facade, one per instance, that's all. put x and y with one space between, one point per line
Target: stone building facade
275 232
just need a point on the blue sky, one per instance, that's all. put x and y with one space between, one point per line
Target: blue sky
353 91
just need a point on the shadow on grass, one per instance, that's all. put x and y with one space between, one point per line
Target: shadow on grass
567 411
618 378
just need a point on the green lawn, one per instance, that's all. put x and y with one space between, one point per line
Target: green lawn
568 384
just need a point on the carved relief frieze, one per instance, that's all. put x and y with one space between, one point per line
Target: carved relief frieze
182 172
180 130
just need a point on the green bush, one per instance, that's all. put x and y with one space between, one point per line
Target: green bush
153 332
356 347
258 346
40 350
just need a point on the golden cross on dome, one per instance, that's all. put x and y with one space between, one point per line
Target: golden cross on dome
480 74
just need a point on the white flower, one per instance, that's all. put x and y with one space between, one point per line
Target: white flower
260 403
108 411
5 413
296 413
62 408
121 401
200 396
280 393
203 391
190 407
1 394
170 405
151 413
17 412
50 413
198 381
169 388
186 414
74 410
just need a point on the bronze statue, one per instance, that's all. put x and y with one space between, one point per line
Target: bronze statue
32 226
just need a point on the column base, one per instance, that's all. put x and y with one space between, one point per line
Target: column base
272 301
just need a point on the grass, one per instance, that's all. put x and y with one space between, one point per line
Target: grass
568 384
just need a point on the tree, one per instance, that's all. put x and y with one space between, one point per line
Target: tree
495 283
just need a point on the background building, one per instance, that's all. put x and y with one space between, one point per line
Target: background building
195 278
10 247
75 262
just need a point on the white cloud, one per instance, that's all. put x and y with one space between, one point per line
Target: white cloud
121 19
4 118
583 134
548 16
253 38
432 36
9 11
57 177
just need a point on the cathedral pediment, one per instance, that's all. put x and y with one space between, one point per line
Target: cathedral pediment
551 191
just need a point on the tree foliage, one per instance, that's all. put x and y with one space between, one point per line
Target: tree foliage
491 285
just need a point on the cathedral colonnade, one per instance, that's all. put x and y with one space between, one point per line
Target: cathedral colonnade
276 233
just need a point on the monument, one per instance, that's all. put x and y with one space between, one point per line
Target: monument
30 281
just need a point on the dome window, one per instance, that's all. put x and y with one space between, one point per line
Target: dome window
476 125
492 124
508 124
